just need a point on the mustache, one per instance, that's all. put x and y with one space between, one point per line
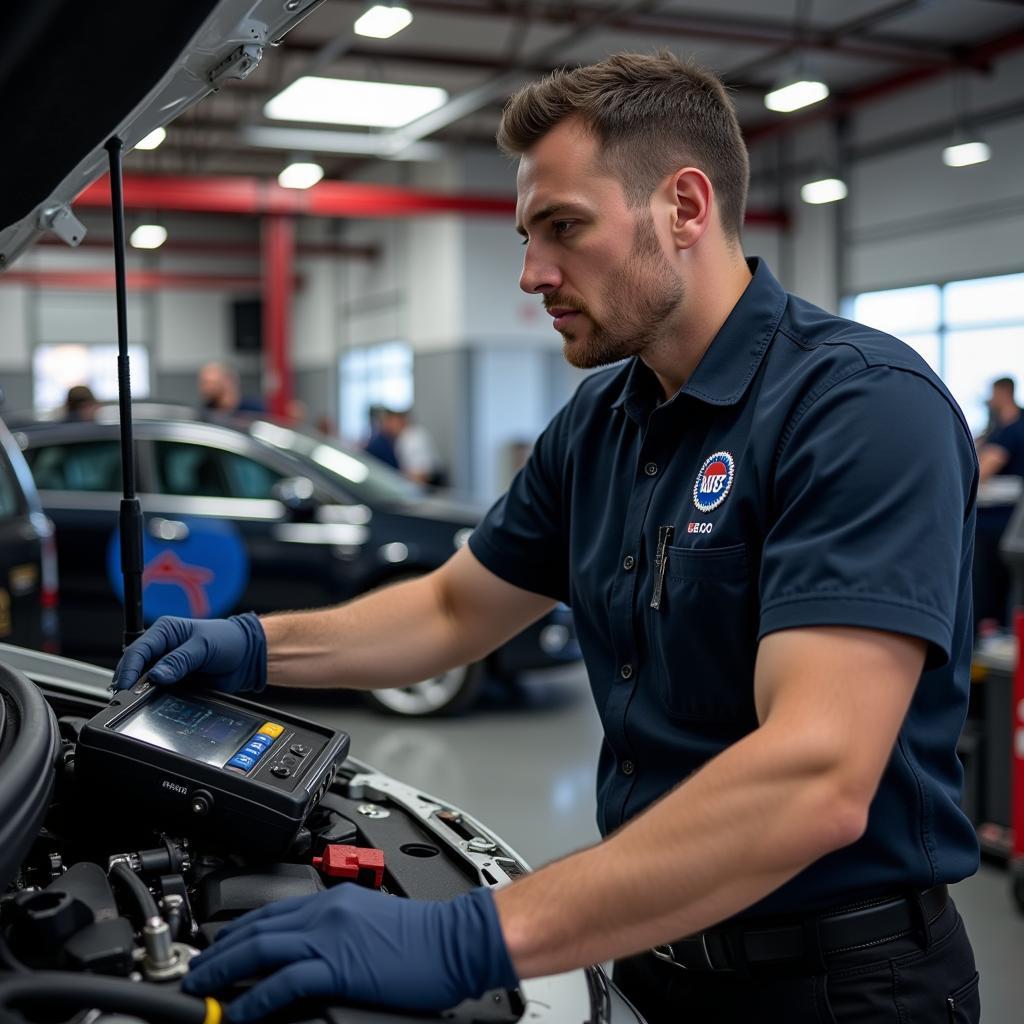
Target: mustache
556 301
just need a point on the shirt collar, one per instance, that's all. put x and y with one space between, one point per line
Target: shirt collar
733 357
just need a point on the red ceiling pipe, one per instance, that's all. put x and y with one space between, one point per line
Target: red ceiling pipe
278 235
138 280
257 196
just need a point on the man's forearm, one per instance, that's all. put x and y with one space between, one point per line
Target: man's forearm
746 823
390 637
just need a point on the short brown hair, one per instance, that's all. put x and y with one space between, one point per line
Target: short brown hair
651 113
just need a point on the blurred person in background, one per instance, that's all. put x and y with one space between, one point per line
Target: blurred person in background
220 390
80 405
1001 468
417 454
381 442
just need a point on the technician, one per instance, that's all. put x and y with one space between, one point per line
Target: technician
763 522
1001 470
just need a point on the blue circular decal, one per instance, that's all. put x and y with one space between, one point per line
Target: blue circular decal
201 576
714 481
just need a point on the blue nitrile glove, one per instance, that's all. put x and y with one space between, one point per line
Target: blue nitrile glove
229 655
361 945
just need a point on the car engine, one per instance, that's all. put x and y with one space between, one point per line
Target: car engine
95 925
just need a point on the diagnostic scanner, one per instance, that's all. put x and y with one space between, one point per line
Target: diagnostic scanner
208 764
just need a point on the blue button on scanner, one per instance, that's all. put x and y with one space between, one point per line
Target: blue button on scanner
254 750
243 761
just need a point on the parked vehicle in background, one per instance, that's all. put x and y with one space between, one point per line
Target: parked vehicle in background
249 514
28 556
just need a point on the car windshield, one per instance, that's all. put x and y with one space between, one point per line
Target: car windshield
364 477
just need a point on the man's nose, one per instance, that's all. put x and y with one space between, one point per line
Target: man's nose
539 275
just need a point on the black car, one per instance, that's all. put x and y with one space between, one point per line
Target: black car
249 514
28 556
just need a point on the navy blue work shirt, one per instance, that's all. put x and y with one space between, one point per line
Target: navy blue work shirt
812 472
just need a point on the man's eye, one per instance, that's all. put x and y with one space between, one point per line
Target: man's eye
560 227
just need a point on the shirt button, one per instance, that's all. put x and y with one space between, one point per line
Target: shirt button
626 671
628 767
628 562
651 469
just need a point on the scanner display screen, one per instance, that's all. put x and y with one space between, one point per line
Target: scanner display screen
190 726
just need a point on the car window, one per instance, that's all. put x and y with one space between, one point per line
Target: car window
189 469
10 503
77 466
248 478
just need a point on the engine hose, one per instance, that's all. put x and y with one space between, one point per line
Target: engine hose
53 989
137 887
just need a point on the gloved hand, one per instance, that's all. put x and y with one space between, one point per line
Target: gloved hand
358 944
229 655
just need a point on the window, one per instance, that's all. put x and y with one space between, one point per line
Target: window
375 375
970 332
79 466
55 368
248 478
193 469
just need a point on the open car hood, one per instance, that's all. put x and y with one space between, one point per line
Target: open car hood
73 73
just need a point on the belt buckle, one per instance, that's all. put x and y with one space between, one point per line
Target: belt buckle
667 953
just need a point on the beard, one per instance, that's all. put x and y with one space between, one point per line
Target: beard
642 296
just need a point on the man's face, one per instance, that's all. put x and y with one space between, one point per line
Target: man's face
211 382
597 263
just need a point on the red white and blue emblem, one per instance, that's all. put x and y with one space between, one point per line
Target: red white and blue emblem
714 481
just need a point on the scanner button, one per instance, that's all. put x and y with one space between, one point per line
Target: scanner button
280 771
299 750
289 761
254 750
242 761
262 737
272 729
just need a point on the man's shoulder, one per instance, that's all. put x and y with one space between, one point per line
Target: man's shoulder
822 349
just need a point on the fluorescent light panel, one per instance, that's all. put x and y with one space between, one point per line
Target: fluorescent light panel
300 175
383 21
149 236
152 140
342 101
827 190
796 95
966 153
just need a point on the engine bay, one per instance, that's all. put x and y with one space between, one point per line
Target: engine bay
106 919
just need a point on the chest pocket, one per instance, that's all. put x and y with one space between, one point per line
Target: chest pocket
703 637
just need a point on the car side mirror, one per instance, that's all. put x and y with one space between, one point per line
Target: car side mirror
296 494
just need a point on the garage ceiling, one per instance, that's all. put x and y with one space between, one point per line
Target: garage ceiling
481 50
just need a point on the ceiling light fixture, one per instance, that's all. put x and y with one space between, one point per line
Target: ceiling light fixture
382 21
825 190
793 95
300 175
965 148
341 101
965 153
149 236
152 140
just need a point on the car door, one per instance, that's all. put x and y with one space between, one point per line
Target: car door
79 484
215 516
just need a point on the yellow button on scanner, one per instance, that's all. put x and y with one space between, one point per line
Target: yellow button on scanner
271 729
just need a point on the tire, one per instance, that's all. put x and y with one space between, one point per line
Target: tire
450 693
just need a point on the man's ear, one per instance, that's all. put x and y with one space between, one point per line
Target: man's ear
692 197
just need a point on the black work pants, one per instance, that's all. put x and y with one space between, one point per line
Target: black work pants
910 980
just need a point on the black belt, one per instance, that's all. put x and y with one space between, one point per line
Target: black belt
729 947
